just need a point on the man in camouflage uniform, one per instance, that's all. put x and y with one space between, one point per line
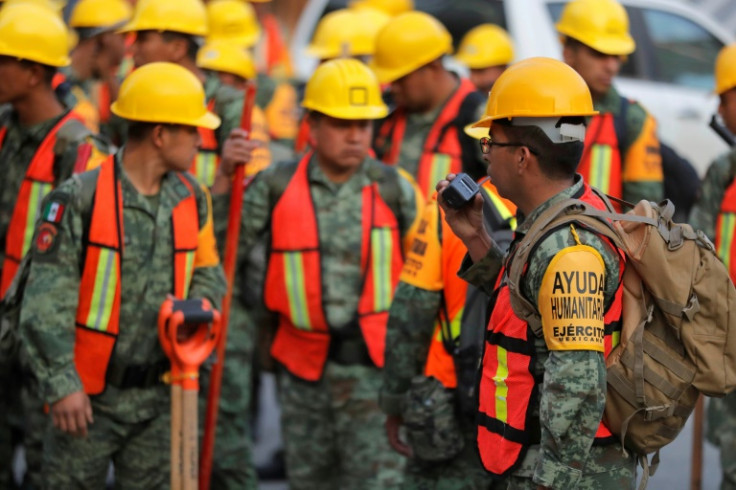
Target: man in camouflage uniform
96 354
542 393
622 156
424 134
41 145
324 215
91 81
429 326
713 213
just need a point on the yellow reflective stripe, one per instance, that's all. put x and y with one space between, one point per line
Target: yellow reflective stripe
295 290
502 390
189 270
600 167
38 192
615 338
728 221
103 295
500 206
439 169
455 324
381 253
206 167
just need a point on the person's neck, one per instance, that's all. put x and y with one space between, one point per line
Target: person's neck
144 168
38 106
539 191
446 84
192 66
335 173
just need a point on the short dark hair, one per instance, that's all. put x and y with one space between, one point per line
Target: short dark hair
193 42
557 160
138 131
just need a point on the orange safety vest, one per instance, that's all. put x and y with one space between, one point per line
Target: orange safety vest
508 389
725 226
98 310
38 181
601 161
442 152
293 286
440 363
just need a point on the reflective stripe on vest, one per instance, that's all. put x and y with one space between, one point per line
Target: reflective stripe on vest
98 309
294 276
600 165
725 226
207 159
442 153
37 183
440 363
508 390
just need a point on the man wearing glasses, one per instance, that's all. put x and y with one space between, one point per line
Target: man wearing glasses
543 383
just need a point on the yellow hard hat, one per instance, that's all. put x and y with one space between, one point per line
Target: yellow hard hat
408 42
55 5
344 88
234 21
341 33
391 7
485 45
726 69
100 14
183 16
165 93
226 57
537 87
31 32
600 24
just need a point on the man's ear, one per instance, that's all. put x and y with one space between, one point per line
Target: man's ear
157 136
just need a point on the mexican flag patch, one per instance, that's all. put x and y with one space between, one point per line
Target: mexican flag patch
53 212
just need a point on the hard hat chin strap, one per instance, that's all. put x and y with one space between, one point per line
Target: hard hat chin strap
556 130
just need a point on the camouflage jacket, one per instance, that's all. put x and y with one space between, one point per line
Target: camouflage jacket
20 145
50 296
705 211
573 391
338 208
638 180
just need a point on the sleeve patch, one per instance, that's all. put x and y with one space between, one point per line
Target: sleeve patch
53 212
46 238
571 300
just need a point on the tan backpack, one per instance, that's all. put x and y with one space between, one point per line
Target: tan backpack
678 334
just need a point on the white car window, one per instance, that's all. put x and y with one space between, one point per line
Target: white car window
684 52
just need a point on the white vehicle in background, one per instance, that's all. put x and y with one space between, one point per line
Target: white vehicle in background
670 73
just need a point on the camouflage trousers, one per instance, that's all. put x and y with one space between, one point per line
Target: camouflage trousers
333 430
606 469
140 452
36 424
463 472
722 433
232 464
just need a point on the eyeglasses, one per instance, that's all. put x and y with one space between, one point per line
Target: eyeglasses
486 143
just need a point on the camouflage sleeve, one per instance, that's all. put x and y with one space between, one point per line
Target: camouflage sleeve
256 214
642 175
409 331
572 396
229 107
484 273
208 278
50 298
712 189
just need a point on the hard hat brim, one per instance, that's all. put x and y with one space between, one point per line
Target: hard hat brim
208 120
351 113
487 121
18 54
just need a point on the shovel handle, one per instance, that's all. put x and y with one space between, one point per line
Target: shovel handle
176 441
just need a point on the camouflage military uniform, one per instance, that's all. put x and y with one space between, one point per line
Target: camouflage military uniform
332 428
131 425
18 148
573 391
721 411
639 137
